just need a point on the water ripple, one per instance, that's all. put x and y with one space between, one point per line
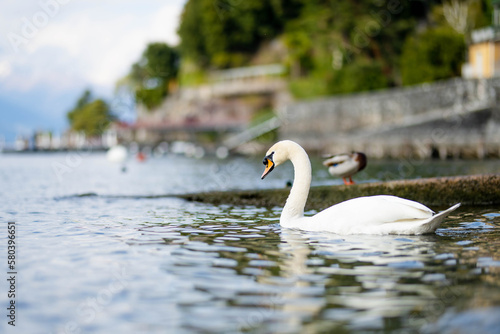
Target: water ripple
139 262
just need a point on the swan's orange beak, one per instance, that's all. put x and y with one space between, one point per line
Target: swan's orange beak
268 162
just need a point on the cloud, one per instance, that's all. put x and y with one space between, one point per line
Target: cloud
82 41
50 50
5 69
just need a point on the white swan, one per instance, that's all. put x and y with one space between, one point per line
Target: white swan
346 165
364 215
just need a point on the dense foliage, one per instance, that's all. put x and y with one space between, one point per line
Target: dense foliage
151 76
90 116
335 46
433 55
226 33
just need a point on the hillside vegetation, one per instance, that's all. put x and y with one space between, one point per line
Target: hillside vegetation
327 46
334 46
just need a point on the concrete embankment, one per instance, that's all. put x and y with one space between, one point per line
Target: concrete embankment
449 119
443 191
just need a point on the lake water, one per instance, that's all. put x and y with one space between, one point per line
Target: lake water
96 255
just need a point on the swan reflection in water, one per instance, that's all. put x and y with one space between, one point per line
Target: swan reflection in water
256 275
358 279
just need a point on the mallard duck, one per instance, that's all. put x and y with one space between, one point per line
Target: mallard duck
346 165
363 215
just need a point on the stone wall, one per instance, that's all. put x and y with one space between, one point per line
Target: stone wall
449 118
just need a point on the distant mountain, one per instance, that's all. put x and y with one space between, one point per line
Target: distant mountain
24 115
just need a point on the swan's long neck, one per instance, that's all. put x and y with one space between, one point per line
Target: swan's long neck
294 207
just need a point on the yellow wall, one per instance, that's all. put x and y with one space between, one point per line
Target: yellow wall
480 59
483 57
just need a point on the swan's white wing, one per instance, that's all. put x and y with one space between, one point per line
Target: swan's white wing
369 214
376 210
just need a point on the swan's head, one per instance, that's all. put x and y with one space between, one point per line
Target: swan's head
278 154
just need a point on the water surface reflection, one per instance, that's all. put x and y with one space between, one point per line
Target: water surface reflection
246 273
105 264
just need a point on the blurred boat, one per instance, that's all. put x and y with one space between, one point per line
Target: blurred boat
117 154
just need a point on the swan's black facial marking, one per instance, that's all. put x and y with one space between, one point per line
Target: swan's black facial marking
269 163
268 158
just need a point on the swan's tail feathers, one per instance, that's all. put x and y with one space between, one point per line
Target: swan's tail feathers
436 220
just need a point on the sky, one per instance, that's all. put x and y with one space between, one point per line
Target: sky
52 50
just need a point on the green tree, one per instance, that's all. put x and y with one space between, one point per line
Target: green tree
190 30
149 78
226 33
347 46
90 116
435 54
357 77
